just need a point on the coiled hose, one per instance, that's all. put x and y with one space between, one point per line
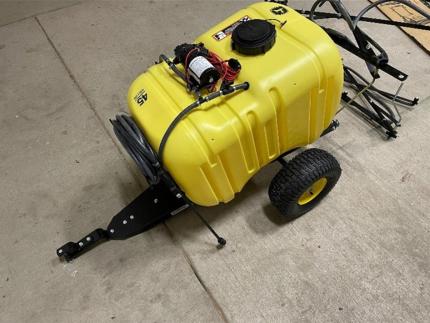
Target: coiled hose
133 140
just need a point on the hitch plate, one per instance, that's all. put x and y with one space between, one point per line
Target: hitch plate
153 206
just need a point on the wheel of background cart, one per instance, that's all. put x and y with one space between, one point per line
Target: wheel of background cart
304 182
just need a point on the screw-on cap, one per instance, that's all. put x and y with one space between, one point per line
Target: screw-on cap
254 37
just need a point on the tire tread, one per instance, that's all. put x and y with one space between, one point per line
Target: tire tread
299 174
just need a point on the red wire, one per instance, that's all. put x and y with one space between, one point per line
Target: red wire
226 72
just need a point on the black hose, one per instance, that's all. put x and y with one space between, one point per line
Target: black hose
173 67
362 39
139 149
228 90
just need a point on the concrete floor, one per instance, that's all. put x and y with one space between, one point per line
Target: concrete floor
361 256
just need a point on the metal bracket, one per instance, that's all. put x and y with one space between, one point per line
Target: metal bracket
151 207
347 44
372 116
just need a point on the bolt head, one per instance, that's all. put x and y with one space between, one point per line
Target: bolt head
179 195
124 222
88 238
111 230
81 244
60 251
132 217
155 201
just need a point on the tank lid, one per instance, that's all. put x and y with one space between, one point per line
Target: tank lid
253 37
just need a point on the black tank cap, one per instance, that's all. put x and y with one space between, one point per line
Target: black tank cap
253 37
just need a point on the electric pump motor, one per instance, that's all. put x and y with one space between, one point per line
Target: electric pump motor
194 58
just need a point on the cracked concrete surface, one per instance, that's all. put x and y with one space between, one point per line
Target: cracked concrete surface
361 256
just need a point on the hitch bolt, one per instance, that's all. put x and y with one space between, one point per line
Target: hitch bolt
124 222
132 217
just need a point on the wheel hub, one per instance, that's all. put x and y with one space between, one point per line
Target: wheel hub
313 191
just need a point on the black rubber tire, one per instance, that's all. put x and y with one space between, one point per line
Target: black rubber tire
297 176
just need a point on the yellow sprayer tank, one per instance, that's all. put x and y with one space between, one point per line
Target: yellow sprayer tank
295 89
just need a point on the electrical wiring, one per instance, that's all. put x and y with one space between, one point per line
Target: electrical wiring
228 73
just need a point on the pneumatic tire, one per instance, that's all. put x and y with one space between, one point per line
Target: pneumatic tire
304 182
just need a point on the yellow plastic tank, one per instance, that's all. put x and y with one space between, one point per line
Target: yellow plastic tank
294 93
